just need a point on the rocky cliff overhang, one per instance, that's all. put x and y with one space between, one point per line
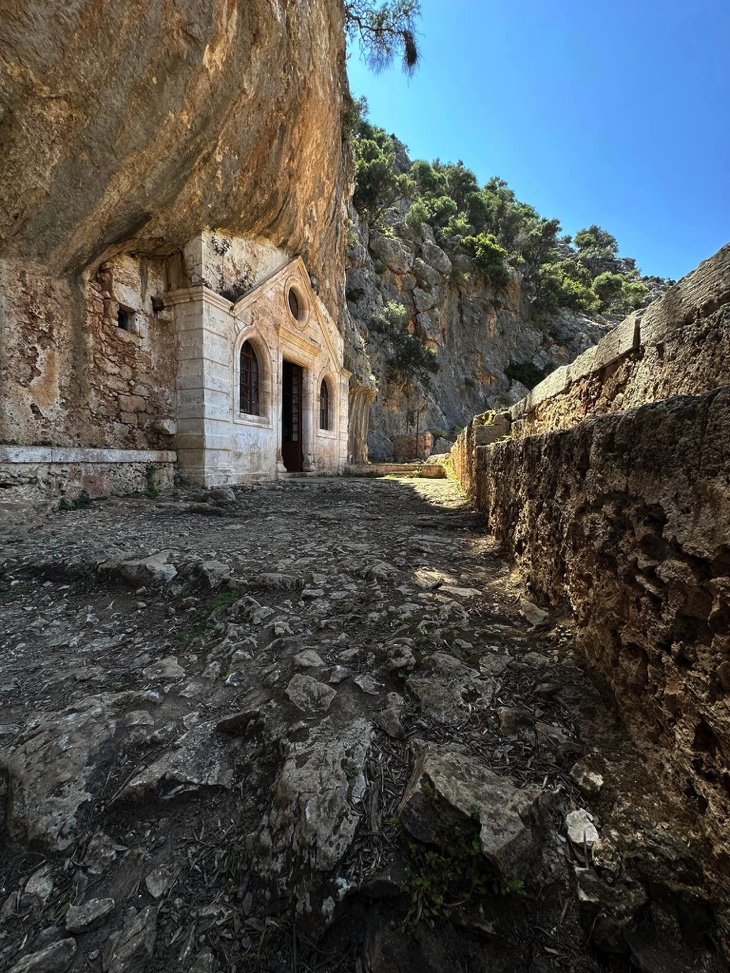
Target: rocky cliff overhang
132 126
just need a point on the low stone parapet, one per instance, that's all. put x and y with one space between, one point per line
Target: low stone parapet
34 472
679 345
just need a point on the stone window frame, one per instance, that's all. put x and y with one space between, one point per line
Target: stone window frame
134 329
263 357
325 406
293 287
327 378
249 380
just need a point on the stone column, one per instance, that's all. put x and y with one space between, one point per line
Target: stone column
204 385
361 396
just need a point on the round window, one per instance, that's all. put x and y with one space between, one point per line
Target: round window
294 305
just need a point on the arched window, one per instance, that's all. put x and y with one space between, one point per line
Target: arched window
324 405
249 380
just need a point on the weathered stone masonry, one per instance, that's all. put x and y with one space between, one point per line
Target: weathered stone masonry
149 149
624 513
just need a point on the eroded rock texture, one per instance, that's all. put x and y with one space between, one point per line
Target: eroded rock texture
134 125
475 330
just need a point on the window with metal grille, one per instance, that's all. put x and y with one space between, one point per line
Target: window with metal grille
249 380
324 406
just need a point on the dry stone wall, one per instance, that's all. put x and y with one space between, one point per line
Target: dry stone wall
613 495
626 518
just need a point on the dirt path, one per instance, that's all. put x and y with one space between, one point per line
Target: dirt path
210 713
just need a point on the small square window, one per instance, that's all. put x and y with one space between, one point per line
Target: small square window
125 319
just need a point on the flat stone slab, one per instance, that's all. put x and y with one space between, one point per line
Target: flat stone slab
55 958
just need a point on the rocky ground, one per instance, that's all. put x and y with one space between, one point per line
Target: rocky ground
313 726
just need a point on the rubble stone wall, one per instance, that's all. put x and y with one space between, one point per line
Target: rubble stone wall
612 493
627 517
69 375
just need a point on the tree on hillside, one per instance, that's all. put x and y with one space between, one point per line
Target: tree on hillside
384 30
596 242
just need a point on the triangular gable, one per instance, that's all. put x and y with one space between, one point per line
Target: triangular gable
296 266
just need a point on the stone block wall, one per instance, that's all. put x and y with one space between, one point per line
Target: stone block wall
612 493
679 345
481 431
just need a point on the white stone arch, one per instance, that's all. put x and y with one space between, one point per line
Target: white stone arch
249 333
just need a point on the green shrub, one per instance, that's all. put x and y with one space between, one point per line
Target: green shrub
428 181
564 284
82 501
634 294
152 489
377 184
457 226
418 214
489 258
619 293
393 316
411 363
442 210
525 372
596 242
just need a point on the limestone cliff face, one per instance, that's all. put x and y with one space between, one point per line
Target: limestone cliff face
475 332
134 125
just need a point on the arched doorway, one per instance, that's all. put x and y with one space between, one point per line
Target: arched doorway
292 445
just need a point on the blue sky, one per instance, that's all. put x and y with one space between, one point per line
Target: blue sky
616 114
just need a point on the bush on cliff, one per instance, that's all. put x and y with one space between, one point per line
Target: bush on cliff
496 229
410 363
489 258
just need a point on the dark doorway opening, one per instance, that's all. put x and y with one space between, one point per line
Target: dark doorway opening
291 417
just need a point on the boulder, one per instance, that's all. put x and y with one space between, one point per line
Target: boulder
440 683
154 570
314 812
392 253
200 758
450 789
52 770
435 257
131 950
309 695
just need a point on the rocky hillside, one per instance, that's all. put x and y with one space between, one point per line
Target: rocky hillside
460 299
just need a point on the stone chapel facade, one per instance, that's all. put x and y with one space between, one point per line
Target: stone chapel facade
219 364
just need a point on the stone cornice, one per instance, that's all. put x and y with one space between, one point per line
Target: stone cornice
80 454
